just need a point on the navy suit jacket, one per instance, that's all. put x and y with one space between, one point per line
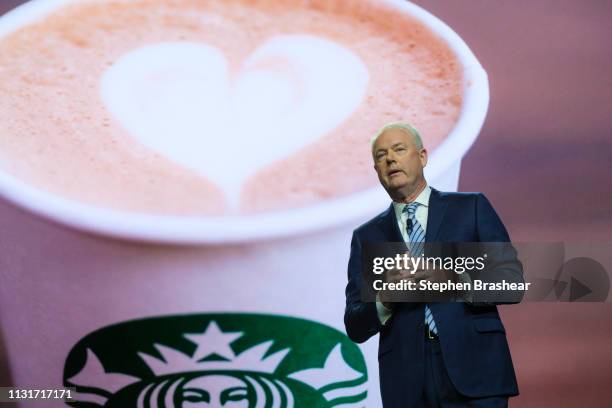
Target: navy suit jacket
472 336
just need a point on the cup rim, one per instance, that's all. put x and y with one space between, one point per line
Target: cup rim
225 229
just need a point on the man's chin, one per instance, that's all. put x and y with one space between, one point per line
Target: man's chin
395 186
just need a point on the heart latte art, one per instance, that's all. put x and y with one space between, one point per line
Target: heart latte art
215 107
179 99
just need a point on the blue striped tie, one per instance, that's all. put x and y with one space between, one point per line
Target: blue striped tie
416 244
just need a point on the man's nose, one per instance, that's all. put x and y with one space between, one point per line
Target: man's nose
391 156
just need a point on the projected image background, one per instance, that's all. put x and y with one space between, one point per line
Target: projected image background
251 315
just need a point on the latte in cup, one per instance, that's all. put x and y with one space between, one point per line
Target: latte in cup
185 107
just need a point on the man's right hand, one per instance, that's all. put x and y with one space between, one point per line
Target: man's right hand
389 297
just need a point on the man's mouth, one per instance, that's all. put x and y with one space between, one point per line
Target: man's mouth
394 172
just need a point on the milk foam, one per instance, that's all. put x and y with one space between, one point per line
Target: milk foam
57 133
180 99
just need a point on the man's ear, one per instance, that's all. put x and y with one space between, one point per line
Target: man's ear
423 156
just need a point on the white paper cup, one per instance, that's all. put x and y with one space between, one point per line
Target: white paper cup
442 170
57 285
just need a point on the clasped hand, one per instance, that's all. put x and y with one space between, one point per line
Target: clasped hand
390 297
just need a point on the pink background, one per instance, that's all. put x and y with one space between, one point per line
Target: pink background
541 158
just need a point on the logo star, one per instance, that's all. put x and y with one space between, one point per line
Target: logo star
213 341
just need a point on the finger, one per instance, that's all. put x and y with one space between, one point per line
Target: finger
406 274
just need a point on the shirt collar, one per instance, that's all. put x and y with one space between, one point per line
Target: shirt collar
422 198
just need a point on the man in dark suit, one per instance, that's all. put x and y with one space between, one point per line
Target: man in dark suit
444 354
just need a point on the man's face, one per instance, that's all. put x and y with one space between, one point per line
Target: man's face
398 163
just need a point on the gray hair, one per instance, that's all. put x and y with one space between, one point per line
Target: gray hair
405 126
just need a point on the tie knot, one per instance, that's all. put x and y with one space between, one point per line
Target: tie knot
411 208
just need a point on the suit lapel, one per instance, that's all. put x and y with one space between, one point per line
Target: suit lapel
388 226
437 208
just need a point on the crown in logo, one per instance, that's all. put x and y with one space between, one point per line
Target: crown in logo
210 343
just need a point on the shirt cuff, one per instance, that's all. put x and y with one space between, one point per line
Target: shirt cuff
383 313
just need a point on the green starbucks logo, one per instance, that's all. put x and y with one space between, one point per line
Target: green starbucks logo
217 360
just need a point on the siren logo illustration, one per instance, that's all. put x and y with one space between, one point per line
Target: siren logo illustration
217 360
